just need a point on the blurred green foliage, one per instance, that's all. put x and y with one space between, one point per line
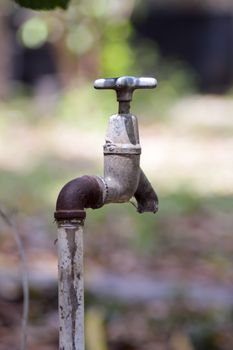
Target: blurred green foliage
101 31
33 33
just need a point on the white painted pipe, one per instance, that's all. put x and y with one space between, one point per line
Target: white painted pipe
70 285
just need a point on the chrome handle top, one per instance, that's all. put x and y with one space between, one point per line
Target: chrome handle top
125 86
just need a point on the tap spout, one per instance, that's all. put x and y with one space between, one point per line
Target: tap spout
145 195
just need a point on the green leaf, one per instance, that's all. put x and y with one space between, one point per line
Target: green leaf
43 4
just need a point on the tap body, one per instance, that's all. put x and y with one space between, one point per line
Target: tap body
121 158
123 176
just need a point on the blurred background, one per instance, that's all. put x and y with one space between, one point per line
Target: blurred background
159 282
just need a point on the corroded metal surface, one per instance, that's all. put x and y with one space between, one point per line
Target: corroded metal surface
145 195
121 161
71 290
122 135
121 158
76 195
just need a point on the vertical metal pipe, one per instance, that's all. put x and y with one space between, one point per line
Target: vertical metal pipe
70 285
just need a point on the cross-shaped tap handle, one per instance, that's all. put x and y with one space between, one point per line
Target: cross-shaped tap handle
125 86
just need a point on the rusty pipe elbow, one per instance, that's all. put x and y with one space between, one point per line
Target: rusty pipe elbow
76 195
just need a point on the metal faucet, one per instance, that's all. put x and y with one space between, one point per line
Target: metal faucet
123 177
122 180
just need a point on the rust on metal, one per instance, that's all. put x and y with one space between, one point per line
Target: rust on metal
76 195
61 215
70 289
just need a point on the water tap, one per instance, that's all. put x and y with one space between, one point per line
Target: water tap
123 177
